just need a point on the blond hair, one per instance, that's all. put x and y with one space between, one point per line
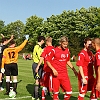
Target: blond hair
63 39
49 39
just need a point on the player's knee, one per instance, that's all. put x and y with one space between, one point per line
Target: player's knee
44 89
67 95
7 80
55 96
15 81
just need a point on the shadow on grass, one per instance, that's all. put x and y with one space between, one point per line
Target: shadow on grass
73 98
30 88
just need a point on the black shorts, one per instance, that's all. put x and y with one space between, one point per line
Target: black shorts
39 72
11 69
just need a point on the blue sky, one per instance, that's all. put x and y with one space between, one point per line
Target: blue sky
13 10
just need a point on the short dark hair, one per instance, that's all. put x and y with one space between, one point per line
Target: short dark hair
12 42
87 39
4 39
40 38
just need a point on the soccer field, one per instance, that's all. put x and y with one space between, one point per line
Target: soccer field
26 80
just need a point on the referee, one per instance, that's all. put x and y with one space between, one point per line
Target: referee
36 57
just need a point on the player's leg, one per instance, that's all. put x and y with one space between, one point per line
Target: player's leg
7 73
94 93
56 85
7 85
82 88
37 77
90 83
66 86
1 82
1 78
15 83
14 73
45 84
11 83
51 83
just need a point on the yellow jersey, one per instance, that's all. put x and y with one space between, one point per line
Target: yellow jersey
37 53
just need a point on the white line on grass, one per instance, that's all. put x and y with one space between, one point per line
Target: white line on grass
16 98
30 97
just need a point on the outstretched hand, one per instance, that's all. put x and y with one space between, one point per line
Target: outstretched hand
27 37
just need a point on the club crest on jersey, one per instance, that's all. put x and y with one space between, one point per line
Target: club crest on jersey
63 56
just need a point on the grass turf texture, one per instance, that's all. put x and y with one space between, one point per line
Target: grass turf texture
26 81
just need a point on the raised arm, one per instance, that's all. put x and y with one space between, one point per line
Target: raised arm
6 42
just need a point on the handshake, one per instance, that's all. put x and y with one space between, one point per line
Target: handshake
27 37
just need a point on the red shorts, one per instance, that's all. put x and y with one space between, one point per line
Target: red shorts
62 80
46 80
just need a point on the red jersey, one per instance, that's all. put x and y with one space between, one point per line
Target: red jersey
97 60
44 55
85 59
60 58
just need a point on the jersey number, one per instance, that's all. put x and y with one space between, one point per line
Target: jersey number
11 55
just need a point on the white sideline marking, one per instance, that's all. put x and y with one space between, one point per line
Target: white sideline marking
29 97
16 98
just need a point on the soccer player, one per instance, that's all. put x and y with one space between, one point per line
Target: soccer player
46 70
96 87
9 62
85 65
36 57
3 44
61 57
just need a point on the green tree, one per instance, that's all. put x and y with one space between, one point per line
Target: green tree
33 27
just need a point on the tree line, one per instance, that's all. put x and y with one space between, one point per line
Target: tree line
76 25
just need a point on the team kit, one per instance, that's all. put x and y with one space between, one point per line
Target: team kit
50 68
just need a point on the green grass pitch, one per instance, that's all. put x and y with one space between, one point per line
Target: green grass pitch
26 81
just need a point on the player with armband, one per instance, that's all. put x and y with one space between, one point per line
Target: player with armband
9 63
